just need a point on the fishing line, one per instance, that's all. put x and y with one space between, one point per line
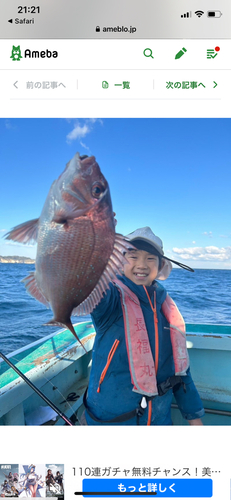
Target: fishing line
28 364
49 381
52 405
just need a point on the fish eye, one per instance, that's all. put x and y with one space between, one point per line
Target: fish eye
97 189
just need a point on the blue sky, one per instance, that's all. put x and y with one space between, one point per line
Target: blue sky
173 175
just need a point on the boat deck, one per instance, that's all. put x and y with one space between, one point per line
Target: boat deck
60 368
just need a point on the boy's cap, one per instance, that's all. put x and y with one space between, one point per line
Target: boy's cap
145 234
145 239
150 240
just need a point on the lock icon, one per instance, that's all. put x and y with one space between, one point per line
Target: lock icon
97 29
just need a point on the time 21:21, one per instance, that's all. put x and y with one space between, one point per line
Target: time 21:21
28 10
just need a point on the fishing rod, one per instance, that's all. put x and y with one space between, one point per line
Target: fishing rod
36 390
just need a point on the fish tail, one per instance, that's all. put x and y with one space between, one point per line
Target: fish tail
67 324
72 330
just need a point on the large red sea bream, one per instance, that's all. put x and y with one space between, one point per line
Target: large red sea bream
78 251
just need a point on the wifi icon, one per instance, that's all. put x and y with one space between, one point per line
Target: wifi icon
199 13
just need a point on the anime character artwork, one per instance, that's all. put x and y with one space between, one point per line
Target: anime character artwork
55 481
31 481
8 481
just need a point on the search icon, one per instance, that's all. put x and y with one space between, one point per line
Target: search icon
148 54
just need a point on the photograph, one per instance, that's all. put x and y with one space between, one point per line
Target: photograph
115 265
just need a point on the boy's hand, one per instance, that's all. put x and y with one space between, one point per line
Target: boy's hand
196 421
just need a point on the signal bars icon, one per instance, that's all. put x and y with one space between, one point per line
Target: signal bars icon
187 14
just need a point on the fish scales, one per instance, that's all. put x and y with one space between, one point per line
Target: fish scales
78 251
85 265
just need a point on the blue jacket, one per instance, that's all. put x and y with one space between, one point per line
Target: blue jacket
114 396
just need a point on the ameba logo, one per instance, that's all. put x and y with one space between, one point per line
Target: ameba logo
43 53
16 53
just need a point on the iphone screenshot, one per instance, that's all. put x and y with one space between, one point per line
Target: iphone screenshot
115 249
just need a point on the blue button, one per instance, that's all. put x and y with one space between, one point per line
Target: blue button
152 487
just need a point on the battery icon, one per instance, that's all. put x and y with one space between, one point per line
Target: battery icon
214 13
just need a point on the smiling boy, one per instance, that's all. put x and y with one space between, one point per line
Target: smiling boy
140 356
142 267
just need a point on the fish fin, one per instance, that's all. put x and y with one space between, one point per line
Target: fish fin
114 266
33 289
25 232
68 324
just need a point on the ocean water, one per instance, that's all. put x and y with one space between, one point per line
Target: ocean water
202 297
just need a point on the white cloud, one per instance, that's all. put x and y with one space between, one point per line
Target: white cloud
94 120
225 235
15 243
84 146
78 132
210 253
8 124
209 234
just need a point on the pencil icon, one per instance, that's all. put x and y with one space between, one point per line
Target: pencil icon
180 53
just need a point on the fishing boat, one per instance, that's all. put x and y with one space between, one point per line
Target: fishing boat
59 367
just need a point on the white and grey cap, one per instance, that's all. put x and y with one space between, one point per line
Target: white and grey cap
144 239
